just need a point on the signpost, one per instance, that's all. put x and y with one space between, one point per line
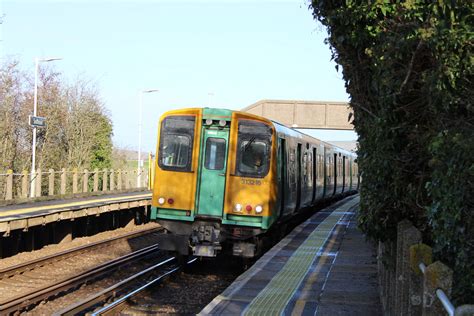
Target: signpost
37 121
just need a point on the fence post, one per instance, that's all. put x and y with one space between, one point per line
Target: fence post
151 166
24 184
38 183
9 190
85 181
418 253
135 177
74 181
96 180
437 276
127 180
143 178
104 180
119 179
407 235
63 181
51 182
112 184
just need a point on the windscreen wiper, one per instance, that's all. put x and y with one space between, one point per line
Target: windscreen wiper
249 143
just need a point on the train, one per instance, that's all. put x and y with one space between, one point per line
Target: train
225 180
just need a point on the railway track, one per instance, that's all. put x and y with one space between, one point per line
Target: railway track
40 262
25 285
128 288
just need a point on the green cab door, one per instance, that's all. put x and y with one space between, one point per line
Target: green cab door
213 172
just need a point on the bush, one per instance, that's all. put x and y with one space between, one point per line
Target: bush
408 69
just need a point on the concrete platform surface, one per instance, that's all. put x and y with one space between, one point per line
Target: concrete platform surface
26 215
323 267
42 207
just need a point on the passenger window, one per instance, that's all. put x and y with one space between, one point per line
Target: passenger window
309 167
215 153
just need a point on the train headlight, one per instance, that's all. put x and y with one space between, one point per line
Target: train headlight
170 201
208 121
161 200
248 208
222 123
258 209
238 207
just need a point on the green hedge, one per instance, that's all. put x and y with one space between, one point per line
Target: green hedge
408 68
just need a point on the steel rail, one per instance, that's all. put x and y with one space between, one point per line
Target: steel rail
20 302
81 306
30 265
114 307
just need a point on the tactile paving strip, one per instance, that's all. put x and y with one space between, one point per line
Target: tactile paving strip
273 298
280 284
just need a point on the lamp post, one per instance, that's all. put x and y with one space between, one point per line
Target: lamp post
209 97
139 178
35 110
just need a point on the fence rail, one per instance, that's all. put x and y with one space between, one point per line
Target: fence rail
17 186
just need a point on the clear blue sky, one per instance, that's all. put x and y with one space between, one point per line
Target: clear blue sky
240 51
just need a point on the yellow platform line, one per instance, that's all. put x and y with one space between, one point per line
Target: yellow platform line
313 278
66 205
273 298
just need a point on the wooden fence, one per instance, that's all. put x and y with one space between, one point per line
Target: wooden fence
17 186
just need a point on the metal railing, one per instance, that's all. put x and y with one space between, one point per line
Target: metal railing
410 282
448 306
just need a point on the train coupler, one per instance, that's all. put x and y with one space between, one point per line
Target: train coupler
206 250
205 240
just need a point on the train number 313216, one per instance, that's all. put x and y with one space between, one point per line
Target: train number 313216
251 182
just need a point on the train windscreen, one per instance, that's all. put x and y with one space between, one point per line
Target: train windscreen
253 149
176 143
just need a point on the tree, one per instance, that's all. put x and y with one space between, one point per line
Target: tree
78 131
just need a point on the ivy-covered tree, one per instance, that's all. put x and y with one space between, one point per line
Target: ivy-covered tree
408 68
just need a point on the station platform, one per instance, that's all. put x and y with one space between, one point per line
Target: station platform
40 213
323 267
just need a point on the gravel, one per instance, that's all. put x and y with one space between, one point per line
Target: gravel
55 248
189 291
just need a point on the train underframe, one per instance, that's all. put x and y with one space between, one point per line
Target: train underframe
207 237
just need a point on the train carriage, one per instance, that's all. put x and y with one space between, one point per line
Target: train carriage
225 178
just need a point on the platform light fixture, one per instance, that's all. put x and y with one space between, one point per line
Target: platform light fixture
210 95
140 118
35 110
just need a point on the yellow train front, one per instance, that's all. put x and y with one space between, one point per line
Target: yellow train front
225 179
